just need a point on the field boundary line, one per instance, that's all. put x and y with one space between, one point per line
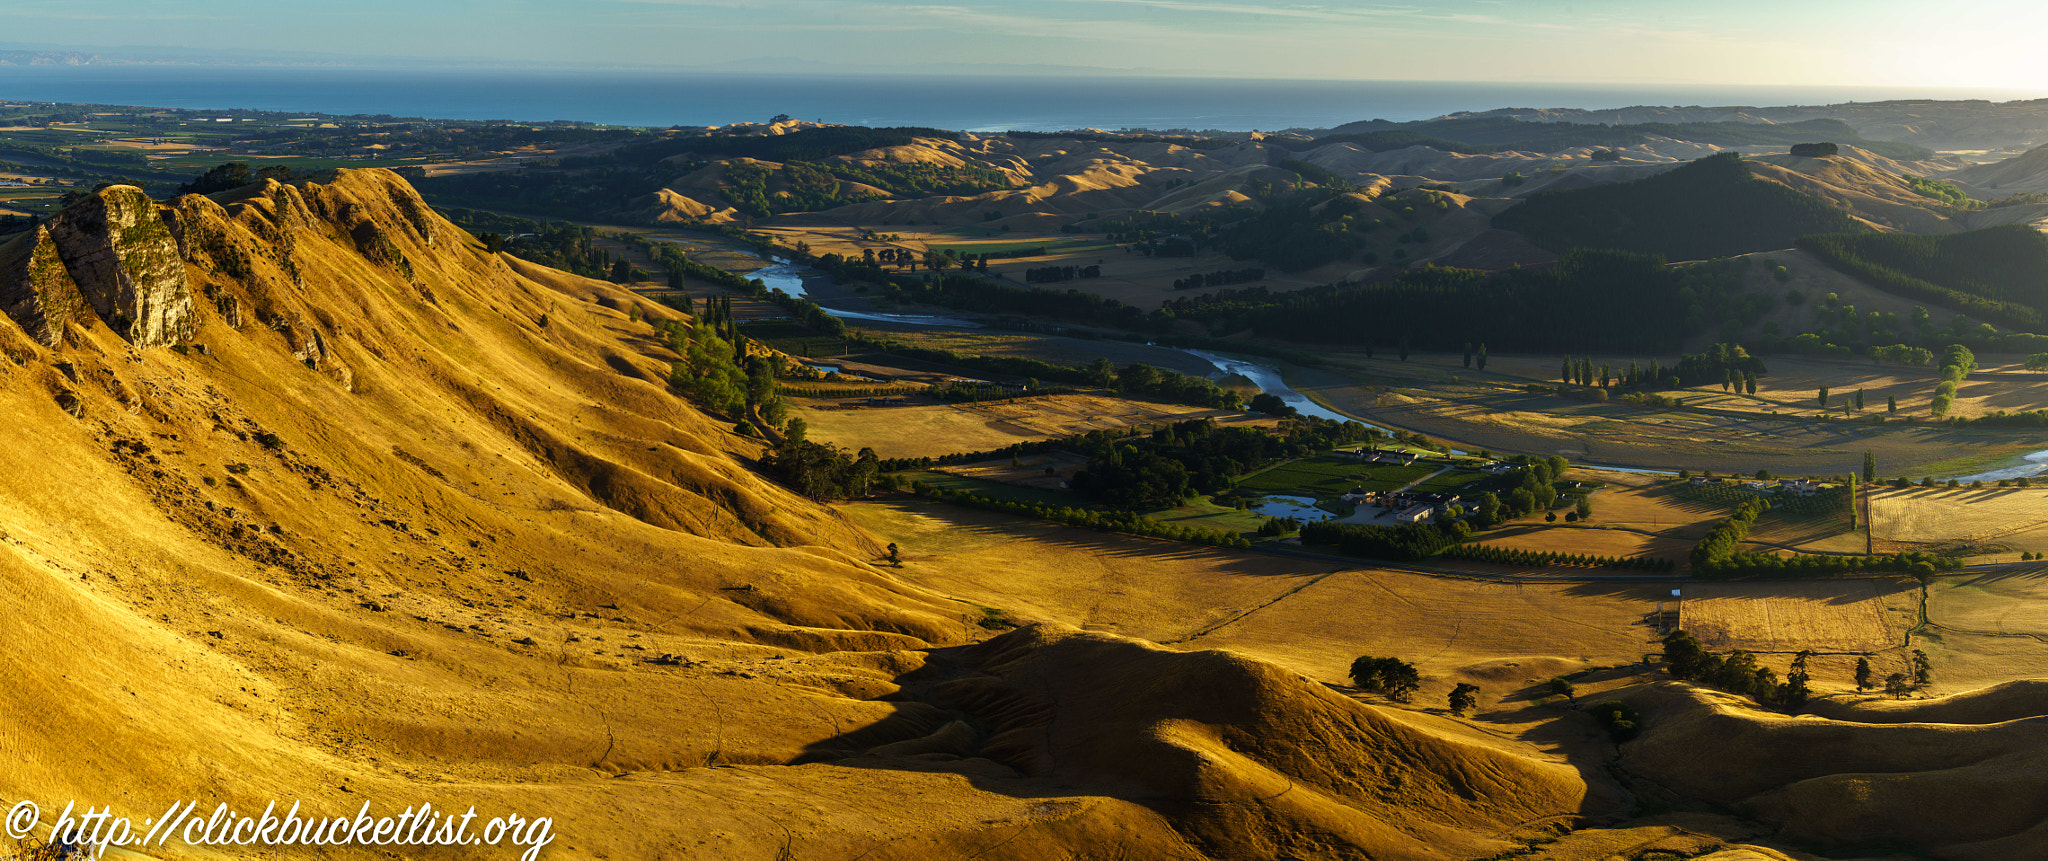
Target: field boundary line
1203 632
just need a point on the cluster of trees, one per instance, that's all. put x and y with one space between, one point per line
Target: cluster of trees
1299 230
1052 274
1108 521
1419 541
1604 300
719 374
1903 483
971 293
1620 719
1180 460
1901 354
1956 364
1719 543
679 266
2003 419
598 192
1715 555
234 175
809 187
1392 678
1220 278
1544 559
1737 672
964 392
1943 191
1136 379
1710 208
821 471
1920 565
556 244
1991 273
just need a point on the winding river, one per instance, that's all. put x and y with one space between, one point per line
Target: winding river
788 277
1269 381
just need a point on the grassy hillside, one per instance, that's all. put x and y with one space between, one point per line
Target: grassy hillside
1998 273
1491 134
1709 208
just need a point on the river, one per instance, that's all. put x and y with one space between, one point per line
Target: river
788 277
1269 381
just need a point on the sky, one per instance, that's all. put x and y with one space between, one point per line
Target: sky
1986 44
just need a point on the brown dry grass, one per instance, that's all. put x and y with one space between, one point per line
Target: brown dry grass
1862 615
929 430
1485 410
2007 520
1049 471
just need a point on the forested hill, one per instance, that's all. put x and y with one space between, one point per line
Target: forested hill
1710 208
1998 273
1492 134
1591 301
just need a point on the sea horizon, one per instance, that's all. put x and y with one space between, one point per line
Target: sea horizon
958 102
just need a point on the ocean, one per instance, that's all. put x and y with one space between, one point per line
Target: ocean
941 101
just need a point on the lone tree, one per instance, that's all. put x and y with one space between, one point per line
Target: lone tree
1896 686
1823 397
1621 719
1392 677
1464 698
895 554
1923 672
1863 674
1561 686
1869 467
1797 682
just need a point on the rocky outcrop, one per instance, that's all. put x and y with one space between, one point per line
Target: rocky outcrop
125 262
35 288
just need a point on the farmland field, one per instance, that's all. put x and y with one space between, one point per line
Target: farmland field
2009 520
1330 476
933 429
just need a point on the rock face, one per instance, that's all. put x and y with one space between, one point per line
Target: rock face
125 262
35 288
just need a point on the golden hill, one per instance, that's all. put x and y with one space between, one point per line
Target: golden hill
1961 775
310 498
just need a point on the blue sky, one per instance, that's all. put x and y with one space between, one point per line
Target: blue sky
1986 44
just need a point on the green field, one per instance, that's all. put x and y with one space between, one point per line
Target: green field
1203 514
997 490
1326 476
1454 480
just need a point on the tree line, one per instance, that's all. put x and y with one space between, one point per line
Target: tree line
1592 300
1992 273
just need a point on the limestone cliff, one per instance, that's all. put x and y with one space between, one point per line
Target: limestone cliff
35 288
117 255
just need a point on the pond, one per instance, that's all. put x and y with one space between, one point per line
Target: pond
1302 508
